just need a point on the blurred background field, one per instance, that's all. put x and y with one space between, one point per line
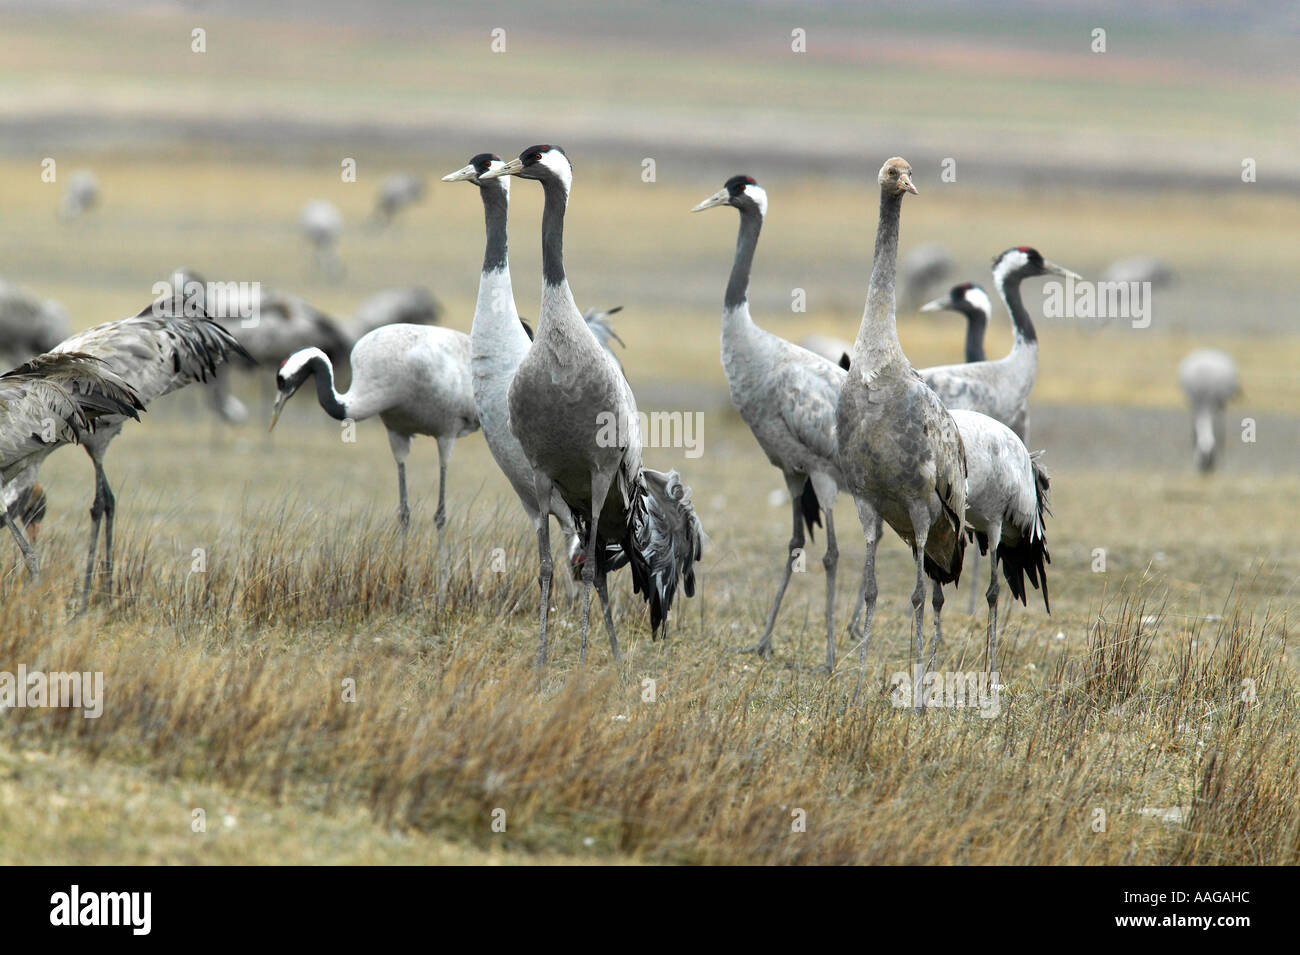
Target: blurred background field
204 160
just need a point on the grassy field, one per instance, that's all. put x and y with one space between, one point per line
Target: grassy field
1150 718
224 688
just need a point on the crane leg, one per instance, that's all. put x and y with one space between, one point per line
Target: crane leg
400 444
546 566
403 510
599 489
445 447
29 552
826 494
870 521
602 590
792 552
937 603
110 506
98 508
995 587
974 576
920 515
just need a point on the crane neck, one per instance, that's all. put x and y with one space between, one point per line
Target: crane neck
877 340
1023 326
496 208
322 370
557 200
751 223
976 323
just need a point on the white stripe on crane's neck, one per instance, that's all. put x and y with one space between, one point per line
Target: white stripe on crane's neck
978 298
1011 262
557 163
759 195
300 359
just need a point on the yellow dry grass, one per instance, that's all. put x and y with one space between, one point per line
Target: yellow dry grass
224 687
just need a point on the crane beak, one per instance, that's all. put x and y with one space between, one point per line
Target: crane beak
719 198
906 182
280 399
511 168
938 305
466 172
1061 270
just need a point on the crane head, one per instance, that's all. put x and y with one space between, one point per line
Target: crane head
739 191
1024 262
896 177
293 371
967 298
477 167
542 162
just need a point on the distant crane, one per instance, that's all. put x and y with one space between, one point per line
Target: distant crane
1210 380
79 196
396 192
923 268
322 224
29 326
1139 268
413 305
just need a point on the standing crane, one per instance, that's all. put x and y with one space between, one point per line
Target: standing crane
322 224
787 396
396 192
576 418
55 399
79 196
899 450
499 339
1000 389
1210 380
416 378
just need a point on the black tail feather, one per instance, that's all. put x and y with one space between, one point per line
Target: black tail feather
812 512
664 541
1028 557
